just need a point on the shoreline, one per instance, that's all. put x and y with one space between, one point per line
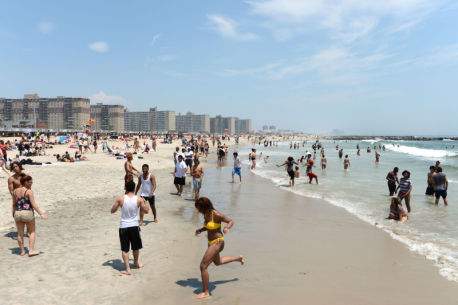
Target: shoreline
296 248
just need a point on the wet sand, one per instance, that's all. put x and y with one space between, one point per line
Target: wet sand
296 250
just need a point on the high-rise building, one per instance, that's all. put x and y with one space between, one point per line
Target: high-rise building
137 121
150 121
48 113
107 117
190 122
162 120
243 126
223 125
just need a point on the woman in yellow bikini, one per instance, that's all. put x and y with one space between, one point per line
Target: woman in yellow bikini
212 224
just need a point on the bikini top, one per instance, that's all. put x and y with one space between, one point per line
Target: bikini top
23 203
211 225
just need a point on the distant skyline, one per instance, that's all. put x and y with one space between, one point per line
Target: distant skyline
365 67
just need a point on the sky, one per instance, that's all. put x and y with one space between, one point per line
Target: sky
366 67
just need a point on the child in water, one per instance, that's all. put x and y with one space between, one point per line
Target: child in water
297 173
397 212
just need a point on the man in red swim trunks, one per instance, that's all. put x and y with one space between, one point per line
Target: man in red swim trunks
309 171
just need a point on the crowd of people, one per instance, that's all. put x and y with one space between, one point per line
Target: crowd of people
186 160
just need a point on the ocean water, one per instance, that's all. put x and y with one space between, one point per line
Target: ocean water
431 230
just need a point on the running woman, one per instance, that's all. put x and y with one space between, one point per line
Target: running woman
212 224
148 183
289 164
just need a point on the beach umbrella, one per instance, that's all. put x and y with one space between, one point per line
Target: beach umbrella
63 138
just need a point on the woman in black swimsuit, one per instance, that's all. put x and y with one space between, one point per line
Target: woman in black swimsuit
289 163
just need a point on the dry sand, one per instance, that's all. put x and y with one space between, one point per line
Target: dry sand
297 250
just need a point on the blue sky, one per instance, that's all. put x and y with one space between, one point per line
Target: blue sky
367 67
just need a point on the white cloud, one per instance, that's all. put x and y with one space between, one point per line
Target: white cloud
155 38
102 97
160 58
228 28
99 46
166 57
347 20
45 27
332 65
250 71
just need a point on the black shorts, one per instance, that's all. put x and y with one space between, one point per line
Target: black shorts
179 181
291 174
429 191
151 200
130 237
392 187
188 162
439 194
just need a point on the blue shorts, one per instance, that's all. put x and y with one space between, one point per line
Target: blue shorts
237 171
440 194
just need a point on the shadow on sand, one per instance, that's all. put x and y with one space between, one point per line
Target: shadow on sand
197 284
116 264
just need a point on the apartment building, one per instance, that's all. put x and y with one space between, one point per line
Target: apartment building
162 120
107 117
193 123
243 126
50 113
137 121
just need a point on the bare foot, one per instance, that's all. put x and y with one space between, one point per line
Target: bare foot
126 272
242 261
138 266
155 220
22 253
202 295
33 253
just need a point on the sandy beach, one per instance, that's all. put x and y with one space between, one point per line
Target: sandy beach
296 249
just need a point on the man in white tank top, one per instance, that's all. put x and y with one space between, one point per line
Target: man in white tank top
129 231
148 183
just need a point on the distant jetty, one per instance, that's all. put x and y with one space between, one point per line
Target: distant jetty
390 138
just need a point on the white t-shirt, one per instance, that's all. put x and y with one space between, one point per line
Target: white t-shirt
237 162
189 154
180 169
179 154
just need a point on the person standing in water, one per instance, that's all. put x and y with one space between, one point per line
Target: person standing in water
289 163
212 224
377 157
237 167
24 206
197 173
440 183
392 178
346 162
430 183
323 162
129 230
252 157
147 182
405 188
